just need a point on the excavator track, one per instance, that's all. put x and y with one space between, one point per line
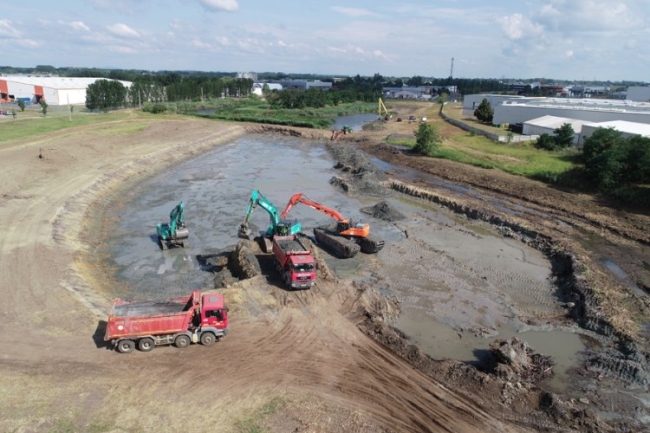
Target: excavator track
337 245
370 244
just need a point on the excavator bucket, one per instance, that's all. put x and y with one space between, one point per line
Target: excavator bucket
244 232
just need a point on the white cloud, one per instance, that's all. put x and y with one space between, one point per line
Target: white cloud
220 5
223 40
122 49
198 43
123 30
8 30
352 12
79 25
592 15
517 27
28 43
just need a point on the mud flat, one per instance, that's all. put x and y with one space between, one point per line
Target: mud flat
566 305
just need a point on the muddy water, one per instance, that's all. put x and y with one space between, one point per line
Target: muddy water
354 121
215 190
459 282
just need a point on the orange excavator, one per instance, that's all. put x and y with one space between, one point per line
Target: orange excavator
346 237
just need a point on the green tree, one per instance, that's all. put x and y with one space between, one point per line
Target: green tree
564 135
612 161
13 114
601 140
43 105
105 95
426 139
21 105
484 113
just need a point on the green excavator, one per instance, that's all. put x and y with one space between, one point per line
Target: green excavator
174 233
277 226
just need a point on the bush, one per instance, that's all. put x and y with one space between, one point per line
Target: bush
546 142
426 139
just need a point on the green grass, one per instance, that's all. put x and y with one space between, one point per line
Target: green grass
35 126
401 141
252 424
515 158
254 110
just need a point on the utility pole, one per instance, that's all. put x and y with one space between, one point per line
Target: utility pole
451 71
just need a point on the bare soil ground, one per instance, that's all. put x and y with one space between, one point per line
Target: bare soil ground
318 360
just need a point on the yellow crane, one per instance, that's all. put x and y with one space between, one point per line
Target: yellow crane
382 109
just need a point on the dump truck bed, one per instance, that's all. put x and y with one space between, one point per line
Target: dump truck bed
148 308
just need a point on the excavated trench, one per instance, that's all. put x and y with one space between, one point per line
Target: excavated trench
470 275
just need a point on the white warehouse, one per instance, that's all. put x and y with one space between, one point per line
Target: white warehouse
590 110
54 90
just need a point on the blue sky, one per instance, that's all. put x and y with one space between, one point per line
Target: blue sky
564 39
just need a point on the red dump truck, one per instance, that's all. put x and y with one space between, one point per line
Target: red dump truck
294 261
179 321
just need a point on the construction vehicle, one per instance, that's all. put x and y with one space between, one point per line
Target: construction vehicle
179 321
294 261
278 226
175 232
382 111
346 237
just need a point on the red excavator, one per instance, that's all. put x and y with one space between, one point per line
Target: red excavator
346 237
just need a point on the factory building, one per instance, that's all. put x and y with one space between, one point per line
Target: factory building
548 125
54 90
628 129
515 111
638 93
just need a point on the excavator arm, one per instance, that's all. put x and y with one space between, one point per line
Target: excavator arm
175 231
176 218
345 226
277 224
300 198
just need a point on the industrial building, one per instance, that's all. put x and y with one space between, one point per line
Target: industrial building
54 90
304 84
258 87
515 111
548 125
638 93
628 129
471 102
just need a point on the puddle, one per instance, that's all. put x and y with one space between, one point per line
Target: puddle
622 275
440 340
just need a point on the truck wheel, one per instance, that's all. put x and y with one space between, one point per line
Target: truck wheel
287 281
125 346
182 341
146 344
208 338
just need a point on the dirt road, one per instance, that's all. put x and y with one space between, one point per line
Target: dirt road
299 363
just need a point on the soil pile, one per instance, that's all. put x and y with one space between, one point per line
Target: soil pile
358 173
242 261
384 211
514 359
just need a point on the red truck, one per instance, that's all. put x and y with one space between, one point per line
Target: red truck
294 261
179 321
